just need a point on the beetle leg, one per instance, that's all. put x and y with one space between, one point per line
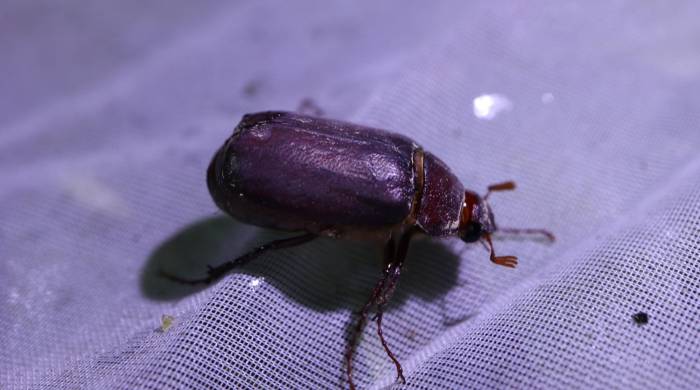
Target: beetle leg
506 261
391 275
220 270
362 320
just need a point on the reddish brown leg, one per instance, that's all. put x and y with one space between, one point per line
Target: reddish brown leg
219 271
362 320
392 274
506 261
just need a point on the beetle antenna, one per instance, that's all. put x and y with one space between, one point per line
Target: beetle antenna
214 273
505 186
544 232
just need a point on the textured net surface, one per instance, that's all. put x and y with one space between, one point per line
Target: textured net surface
109 118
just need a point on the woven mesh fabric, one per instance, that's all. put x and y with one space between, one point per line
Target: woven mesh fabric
109 118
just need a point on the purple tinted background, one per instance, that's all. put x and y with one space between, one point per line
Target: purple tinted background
109 115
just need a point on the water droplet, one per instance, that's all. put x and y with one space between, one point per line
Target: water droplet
488 106
255 282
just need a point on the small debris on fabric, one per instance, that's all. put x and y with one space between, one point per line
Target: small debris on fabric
166 321
641 318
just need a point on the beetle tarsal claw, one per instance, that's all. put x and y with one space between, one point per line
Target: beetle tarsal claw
400 378
506 261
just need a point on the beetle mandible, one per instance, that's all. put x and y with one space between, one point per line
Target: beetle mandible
322 177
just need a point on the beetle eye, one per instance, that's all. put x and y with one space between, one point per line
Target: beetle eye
472 233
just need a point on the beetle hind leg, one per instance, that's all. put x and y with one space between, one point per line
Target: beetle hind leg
214 273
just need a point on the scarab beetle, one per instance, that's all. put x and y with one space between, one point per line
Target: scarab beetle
323 177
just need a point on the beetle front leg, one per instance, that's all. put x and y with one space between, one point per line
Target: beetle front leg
506 261
220 270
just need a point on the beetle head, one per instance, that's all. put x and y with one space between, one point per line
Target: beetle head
476 223
476 219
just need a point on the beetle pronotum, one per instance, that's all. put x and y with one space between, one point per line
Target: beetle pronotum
322 177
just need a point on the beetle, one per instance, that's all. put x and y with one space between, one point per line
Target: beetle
327 178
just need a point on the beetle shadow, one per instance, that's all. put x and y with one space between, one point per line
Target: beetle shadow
334 273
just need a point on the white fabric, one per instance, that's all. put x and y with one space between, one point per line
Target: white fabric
109 116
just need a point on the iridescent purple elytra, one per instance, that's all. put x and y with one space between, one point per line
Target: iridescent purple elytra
293 172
